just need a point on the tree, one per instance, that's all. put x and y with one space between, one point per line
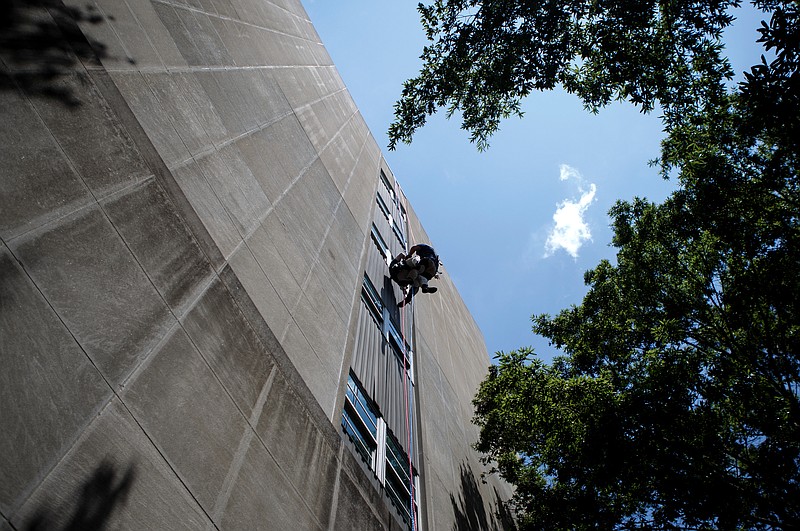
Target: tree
486 55
676 403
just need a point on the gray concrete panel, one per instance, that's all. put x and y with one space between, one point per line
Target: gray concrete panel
264 498
308 211
435 405
202 111
322 326
157 33
277 155
281 359
113 160
239 40
320 379
269 104
302 452
270 16
360 194
264 296
192 420
208 207
179 96
37 183
281 49
193 4
323 119
156 234
354 512
42 365
440 504
317 123
101 34
306 30
210 48
139 50
341 281
227 8
246 10
112 479
295 6
345 241
268 245
223 336
304 86
229 98
269 174
237 189
339 160
152 116
293 232
89 276
208 7
179 34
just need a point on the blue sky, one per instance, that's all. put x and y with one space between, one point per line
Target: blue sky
518 225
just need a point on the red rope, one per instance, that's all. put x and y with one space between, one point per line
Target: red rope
406 388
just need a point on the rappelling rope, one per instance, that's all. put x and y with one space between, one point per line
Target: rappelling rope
408 412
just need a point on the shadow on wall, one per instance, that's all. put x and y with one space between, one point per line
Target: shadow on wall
40 41
504 514
469 509
100 495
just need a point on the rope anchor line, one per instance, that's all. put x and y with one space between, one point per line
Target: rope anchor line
406 366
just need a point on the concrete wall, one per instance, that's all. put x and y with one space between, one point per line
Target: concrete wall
185 203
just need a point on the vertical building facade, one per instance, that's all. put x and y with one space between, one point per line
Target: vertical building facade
197 328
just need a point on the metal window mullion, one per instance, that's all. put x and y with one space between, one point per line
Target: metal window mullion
379 465
415 506
410 364
386 331
367 421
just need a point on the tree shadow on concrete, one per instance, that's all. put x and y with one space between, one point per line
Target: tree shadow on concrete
40 41
100 495
504 514
470 509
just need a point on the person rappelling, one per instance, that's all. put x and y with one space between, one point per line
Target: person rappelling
414 270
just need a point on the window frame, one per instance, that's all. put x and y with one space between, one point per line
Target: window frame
383 206
369 294
389 187
381 243
367 441
400 348
399 476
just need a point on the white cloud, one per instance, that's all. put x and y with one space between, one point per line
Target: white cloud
570 230
566 172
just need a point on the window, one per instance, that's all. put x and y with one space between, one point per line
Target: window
376 445
370 296
398 484
383 207
360 421
400 347
380 242
388 186
399 233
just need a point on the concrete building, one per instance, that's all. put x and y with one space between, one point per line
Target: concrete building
196 328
